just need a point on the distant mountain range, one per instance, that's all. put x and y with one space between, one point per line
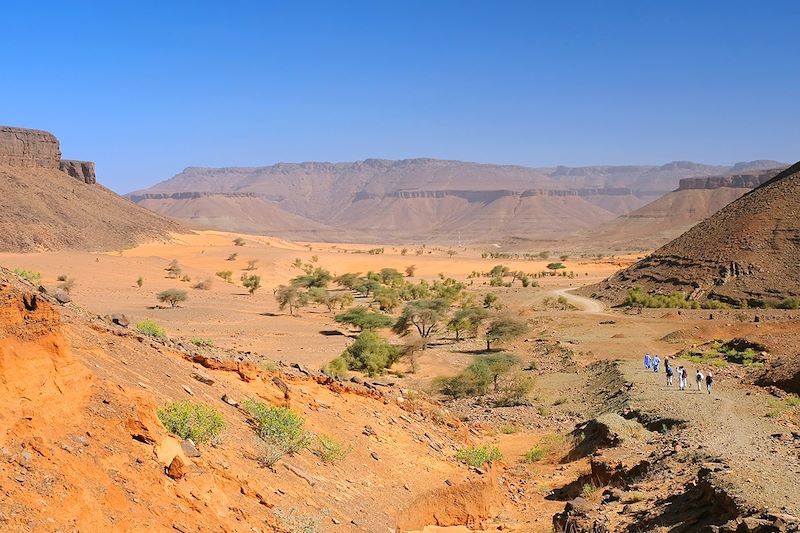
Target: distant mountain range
416 200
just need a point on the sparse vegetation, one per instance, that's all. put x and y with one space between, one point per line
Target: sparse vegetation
478 377
203 342
279 427
291 297
534 454
190 420
637 297
238 241
150 328
172 296
424 315
489 300
479 456
227 275
504 329
364 319
337 368
251 282
252 264
139 281
410 270
232 257
204 285
331 450
30 275
370 353
174 270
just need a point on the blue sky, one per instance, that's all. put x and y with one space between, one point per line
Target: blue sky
146 89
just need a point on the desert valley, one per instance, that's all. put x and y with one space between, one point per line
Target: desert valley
414 345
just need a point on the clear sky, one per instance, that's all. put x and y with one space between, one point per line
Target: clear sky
148 88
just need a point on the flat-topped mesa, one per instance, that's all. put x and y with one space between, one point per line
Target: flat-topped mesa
742 181
25 148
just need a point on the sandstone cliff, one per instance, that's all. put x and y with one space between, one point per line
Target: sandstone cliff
25 148
48 203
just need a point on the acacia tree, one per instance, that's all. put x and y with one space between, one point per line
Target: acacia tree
252 282
467 320
424 315
313 278
172 296
291 297
503 329
364 319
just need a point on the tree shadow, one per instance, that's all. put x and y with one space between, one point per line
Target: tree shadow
332 333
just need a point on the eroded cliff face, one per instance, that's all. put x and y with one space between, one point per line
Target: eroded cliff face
742 181
24 148
28 148
80 170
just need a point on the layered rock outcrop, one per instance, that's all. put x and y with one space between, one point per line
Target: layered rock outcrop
737 181
80 170
25 148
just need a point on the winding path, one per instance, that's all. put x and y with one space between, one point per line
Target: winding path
587 305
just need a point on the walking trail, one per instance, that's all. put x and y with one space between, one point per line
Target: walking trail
730 423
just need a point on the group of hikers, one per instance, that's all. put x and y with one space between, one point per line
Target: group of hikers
653 363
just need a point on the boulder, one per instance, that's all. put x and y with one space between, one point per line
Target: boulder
177 468
80 170
189 448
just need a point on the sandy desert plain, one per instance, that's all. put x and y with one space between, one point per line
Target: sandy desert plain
593 429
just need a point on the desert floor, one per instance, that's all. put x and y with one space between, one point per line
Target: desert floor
105 283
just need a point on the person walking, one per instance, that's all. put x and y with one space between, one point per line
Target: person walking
681 378
656 362
647 361
669 372
709 381
699 379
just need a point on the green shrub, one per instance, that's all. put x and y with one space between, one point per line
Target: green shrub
477 457
534 454
150 328
203 342
331 450
30 275
789 303
227 275
370 353
191 420
293 521
337 368
278 426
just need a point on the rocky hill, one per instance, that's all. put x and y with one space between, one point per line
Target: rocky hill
48 203
667 217
746 253
418 199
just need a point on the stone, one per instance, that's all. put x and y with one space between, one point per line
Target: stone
62 296
375 456
177 468
80 170
189 448
230 401
202 377
119 319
